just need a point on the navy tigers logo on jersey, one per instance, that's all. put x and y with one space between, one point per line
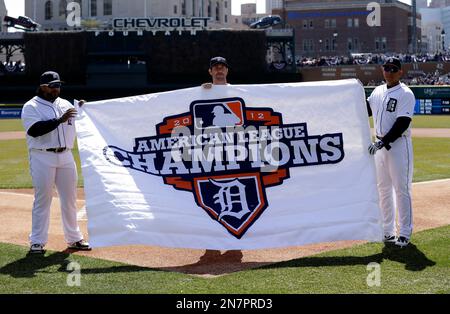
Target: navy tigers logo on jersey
391 105
227 155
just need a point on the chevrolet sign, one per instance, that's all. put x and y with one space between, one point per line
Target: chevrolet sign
160 22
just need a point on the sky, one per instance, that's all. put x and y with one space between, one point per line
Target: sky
16 7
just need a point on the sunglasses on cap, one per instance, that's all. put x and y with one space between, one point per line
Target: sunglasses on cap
54 85
391 69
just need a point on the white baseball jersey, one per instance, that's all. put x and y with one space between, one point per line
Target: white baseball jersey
38 109
389 104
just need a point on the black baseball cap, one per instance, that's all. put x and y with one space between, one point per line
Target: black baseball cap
218 60
49 77
394 62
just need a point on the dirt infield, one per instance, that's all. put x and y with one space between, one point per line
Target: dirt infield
12 135
415 133
430 202
430 132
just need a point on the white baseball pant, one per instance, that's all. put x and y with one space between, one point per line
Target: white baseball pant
394 175
47 170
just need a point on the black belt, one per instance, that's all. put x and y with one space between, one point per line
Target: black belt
56 150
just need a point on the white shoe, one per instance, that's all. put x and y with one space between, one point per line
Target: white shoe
389 238
81 245
36 248
402 241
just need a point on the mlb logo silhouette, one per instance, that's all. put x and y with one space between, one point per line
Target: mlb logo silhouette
223 113
234 201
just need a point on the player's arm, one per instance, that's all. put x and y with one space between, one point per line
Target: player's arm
399 127
403 120
369 111
43 127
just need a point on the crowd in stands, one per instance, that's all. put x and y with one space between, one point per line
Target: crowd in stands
423 79
12 67
369 58
436 78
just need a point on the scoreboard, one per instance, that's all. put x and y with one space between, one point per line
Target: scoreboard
432 106
432 99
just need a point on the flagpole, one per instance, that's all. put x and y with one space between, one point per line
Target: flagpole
34 10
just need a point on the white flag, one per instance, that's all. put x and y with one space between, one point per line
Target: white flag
232 167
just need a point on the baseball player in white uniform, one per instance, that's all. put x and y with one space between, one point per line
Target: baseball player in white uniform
50 126
218 70
392 106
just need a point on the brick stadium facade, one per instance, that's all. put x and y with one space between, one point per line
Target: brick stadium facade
332 27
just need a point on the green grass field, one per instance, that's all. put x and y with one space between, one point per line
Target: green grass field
431 158
431 162
422 121
418 122
441 122
14 165
8 125
423 267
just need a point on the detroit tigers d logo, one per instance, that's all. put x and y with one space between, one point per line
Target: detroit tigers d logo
234 201
227 155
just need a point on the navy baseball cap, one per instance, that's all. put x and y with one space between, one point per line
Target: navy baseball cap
49 77
218 60
394 62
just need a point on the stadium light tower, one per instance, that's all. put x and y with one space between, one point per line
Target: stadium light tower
414 26
34 10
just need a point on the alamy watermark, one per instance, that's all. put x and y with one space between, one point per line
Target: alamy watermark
374 277
374 17
74 278
73 14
